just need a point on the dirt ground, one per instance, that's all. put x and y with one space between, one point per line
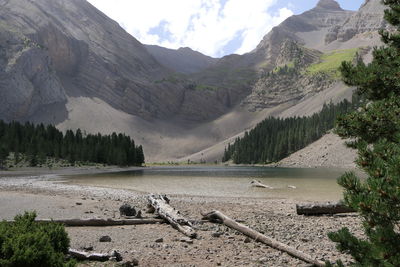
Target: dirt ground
216 244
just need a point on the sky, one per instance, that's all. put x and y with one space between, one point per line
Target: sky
212 27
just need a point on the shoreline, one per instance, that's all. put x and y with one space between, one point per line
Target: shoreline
35 171
274 217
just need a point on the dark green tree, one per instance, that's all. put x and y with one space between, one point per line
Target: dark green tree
140 155
38 143
275 138
375 129
3 156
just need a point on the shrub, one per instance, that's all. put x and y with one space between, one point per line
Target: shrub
29 243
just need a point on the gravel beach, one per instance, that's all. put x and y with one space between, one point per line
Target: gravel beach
216 245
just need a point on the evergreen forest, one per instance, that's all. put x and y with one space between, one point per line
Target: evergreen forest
276 138
38 142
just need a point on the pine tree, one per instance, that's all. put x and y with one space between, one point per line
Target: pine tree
140 156
3 156
376 130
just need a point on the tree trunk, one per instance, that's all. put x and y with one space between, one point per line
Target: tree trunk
101 222
219 217
322 208
161 206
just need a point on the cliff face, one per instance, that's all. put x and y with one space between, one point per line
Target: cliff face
368 19
27 78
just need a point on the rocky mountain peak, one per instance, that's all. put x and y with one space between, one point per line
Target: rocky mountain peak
329 5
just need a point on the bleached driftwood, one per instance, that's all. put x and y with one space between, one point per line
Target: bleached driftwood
164 210
217 216
81 255
322 208
101 222
256 183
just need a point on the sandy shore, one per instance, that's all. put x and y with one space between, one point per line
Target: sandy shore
43 192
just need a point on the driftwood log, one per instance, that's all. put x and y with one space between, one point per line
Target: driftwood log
256 183
109 222
81 255
161 205
216 216
101 222
322 208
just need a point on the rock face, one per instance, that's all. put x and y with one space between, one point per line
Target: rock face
90 53
368 19
183 60
27 77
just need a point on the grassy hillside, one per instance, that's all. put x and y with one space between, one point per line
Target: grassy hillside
330 62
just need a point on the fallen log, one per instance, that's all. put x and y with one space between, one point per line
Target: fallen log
216 216
256 183
173 216
322 208
82 256
101 222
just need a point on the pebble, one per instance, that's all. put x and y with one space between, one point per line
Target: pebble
217 234
187 240
159 240
105 238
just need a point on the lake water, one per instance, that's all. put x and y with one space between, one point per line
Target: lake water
311 184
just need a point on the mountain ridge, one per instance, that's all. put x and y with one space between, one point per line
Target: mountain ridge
75 67
183 59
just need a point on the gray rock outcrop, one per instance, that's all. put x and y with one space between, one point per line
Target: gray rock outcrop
28 80
368 19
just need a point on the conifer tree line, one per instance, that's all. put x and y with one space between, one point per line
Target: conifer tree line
37 142
275 138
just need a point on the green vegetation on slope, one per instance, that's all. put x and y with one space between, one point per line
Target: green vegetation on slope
28 243
331 62
39 142
274 138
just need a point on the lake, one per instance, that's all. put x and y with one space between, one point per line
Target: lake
221 181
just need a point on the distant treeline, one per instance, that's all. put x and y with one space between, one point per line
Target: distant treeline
37 142
274 138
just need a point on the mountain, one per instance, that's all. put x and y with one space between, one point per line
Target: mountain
85 53
65 62
285 88
307 29
80 52
183 60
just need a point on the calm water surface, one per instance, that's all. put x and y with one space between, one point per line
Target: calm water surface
311 184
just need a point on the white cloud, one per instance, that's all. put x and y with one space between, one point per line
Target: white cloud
203 25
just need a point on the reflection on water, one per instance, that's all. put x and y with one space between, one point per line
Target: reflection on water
311 184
